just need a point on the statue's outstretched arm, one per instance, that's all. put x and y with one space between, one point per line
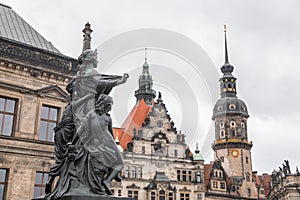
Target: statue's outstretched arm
123 79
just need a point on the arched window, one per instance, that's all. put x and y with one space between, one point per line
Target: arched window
243 125
231 106
249 192
220 174
222 133
162 195
248 176
222 125
232 123
216 174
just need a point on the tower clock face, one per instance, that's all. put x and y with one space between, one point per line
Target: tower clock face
235 153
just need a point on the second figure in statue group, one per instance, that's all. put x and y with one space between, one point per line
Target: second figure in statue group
86 157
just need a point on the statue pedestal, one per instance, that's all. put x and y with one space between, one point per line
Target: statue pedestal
78 197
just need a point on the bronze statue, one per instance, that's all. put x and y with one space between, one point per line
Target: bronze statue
86 157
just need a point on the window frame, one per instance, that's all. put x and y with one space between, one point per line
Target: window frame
133 193
48 120
40 185
13 114
5 182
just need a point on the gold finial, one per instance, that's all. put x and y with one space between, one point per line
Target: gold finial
225 28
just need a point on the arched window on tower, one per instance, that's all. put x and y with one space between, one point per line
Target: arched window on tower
222 133
243 125
232 123
233 133
249 192
248 177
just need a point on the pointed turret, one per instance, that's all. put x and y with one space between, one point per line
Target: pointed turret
228 81
87 36
145 90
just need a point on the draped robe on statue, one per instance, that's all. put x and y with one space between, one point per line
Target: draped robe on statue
84 167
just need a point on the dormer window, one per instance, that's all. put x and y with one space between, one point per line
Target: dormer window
219 108
231 106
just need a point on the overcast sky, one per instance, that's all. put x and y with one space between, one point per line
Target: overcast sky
264 48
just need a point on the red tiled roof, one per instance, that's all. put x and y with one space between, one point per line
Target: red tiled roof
266 179
135 120
207 170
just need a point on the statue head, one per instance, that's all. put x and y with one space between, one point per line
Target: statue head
88 57
103 104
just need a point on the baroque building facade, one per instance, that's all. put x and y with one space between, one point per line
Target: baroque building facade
158 162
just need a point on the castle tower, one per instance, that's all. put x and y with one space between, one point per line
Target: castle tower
231 144
145 90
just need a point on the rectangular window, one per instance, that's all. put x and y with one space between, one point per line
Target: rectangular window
222 185
133 175
130 193
39 184
113 191
184 196
189 176
184 175
198 177
175 153
222 158
136 195
126 171
171 196
143 150
199 197
215 184
247 160
49 119
133 193
139 172
7 115
119 192
3 183
178 175
152 196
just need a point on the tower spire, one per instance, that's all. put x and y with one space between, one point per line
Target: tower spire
145 90
145 55
228 81
226 52
87 36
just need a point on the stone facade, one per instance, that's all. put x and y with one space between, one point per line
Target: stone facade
30 85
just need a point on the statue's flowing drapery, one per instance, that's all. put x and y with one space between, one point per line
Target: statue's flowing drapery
91 135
